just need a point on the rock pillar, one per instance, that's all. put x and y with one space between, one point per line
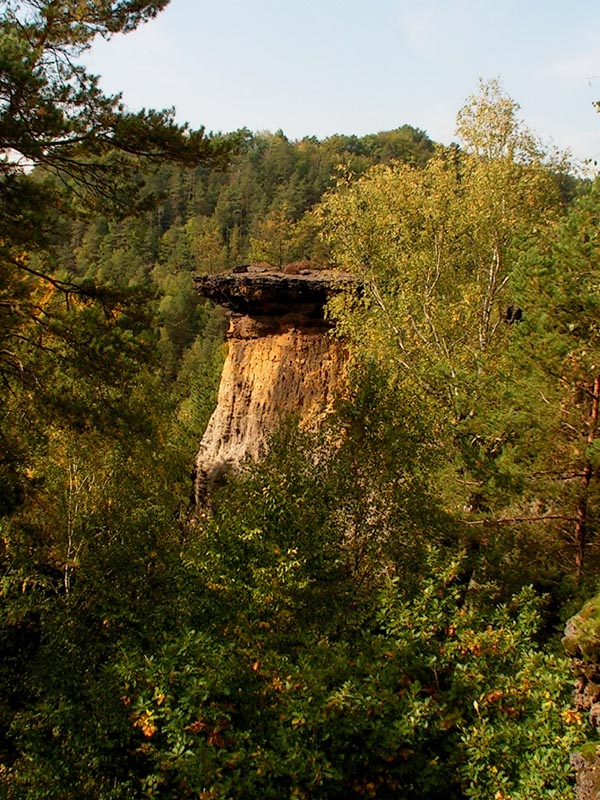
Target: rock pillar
282 360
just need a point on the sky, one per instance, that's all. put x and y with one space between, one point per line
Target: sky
344 66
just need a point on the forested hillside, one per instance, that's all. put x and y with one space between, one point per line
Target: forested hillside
375 609
209 219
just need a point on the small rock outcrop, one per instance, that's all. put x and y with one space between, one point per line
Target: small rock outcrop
281 360
582 644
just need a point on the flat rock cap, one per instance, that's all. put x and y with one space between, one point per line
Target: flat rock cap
255 292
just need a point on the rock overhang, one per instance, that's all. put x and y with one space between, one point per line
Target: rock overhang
273 293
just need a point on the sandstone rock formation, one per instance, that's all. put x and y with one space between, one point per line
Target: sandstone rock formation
281 360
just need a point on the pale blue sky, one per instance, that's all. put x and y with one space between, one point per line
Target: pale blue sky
343 66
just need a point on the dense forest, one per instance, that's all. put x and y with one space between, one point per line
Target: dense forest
373 610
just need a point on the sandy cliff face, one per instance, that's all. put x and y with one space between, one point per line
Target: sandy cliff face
281 360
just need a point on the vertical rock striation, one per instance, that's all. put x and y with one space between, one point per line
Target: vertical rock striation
281 360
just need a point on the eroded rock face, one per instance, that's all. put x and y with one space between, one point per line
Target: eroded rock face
281 360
